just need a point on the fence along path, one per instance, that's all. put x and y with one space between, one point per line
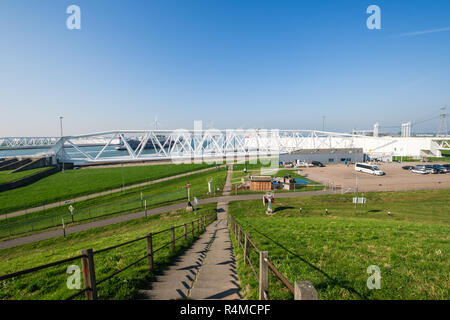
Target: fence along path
194 227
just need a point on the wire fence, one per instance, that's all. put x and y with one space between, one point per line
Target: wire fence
134 201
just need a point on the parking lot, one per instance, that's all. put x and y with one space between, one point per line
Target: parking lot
396 179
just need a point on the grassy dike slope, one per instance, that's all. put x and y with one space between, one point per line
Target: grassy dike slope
410 246
73 183
51 283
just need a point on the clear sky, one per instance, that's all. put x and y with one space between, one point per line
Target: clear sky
232 64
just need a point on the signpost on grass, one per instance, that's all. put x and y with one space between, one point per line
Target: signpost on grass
145 207
188 187
71 211
362 201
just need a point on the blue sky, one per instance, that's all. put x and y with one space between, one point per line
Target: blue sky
267 64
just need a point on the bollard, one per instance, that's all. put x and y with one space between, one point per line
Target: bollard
304 290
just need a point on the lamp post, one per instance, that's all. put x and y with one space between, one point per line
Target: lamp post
62 149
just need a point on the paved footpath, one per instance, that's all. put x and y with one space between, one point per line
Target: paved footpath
207 270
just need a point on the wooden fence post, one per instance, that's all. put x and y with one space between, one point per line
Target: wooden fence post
263 275
185 232
239 237
304 290
246 249
192 229
172 233
150 250
87 262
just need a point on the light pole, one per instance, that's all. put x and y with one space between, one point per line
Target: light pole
62 149
60 124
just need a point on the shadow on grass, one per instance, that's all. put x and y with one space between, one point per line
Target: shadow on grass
333 281
282 208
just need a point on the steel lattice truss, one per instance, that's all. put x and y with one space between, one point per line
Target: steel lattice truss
139 145
443 144
27 142
194 144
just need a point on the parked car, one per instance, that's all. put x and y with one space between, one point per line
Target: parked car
317 163
420 169
407 167
368 168
440 168
447 166
430 168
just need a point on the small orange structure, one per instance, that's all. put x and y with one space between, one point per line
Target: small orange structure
260 183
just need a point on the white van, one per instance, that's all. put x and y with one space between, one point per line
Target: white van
368 168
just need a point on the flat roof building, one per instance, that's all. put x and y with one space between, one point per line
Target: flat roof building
324 155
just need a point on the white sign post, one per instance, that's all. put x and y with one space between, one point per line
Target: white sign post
64 228
145 207
71 211
362 201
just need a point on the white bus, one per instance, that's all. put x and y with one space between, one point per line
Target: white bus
368 168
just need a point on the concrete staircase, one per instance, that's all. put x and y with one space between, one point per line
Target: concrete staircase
207 270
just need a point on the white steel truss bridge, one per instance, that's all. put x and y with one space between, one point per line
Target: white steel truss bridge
146 145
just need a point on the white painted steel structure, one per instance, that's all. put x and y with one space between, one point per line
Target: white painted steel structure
203 144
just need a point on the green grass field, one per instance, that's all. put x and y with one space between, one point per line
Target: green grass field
333 251
51 283
73 183
7 176
162 193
